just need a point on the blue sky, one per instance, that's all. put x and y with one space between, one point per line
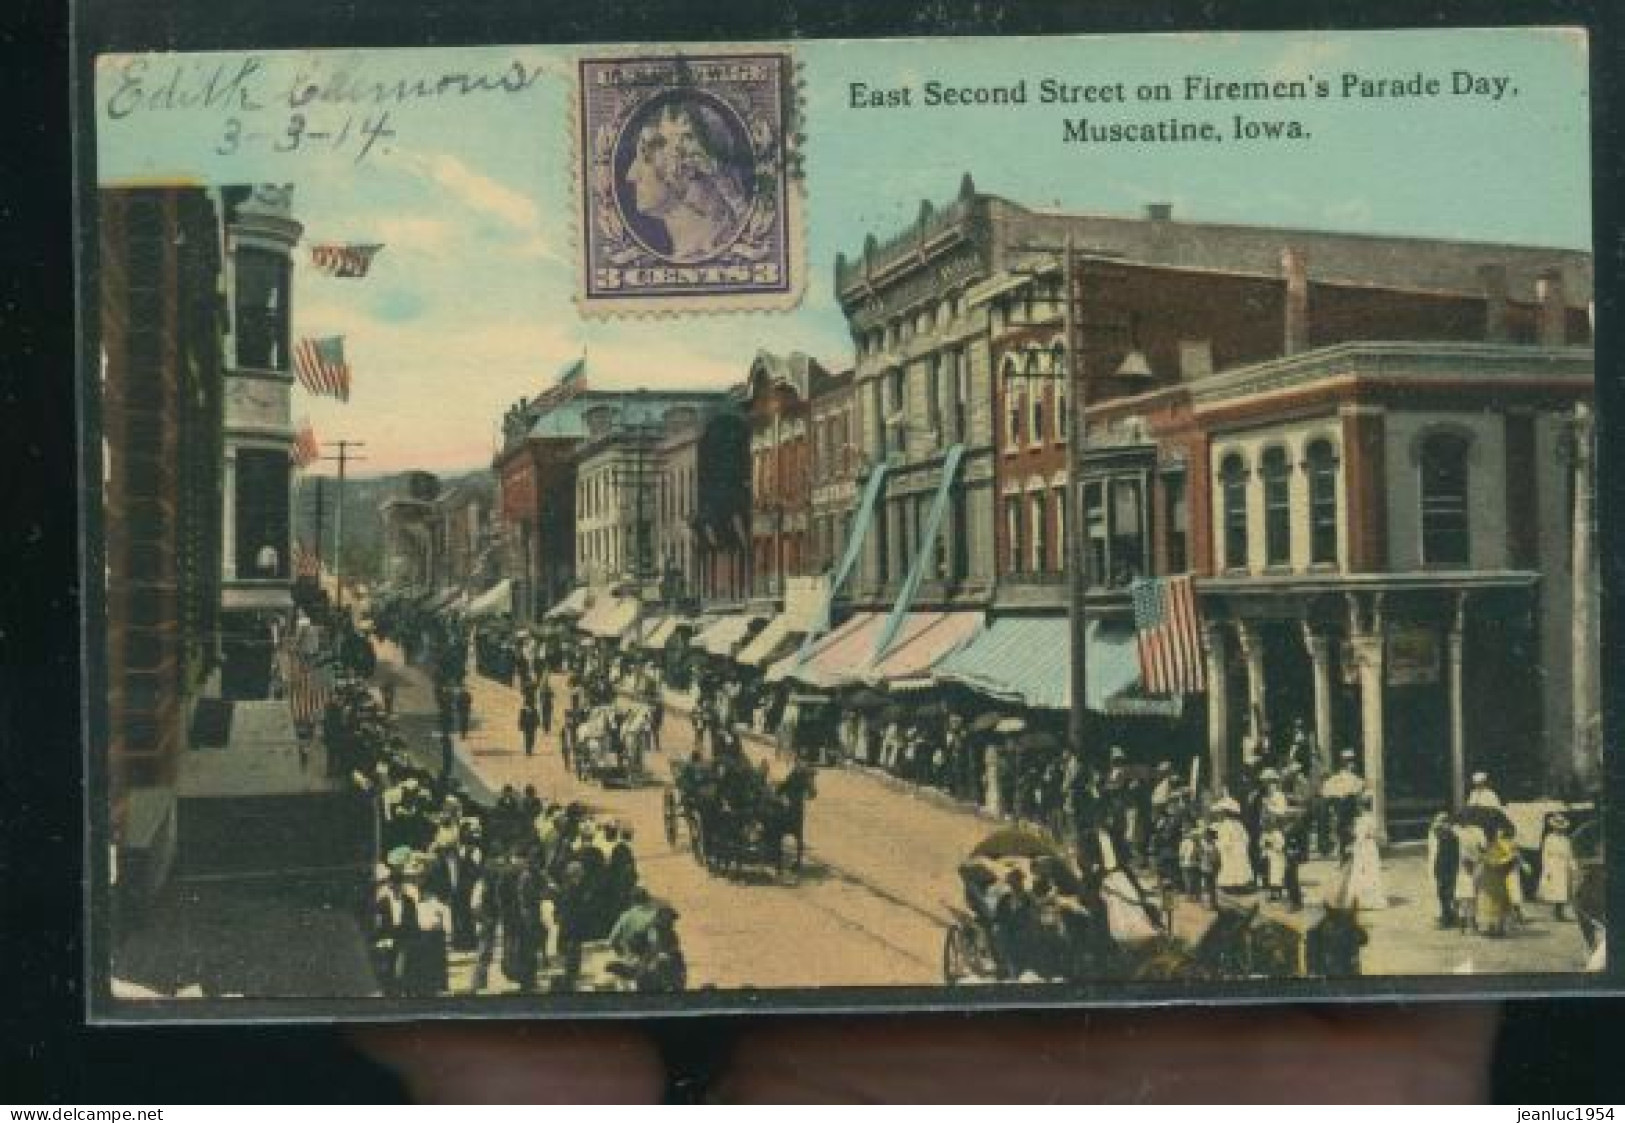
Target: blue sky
469 307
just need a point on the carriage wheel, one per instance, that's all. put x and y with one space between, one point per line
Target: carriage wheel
669 809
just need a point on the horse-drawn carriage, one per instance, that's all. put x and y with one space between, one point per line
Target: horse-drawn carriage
609 748
1031 916
734 817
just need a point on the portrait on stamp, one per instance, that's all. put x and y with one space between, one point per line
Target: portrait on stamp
685 196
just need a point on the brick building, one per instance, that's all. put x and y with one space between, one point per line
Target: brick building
162 328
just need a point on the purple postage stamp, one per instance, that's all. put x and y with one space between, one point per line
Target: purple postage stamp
688 201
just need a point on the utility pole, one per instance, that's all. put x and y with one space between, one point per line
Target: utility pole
321 522
1077 558
344 457
1075 532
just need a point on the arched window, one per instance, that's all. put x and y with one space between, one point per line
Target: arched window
1013 404
1063 375
1233 487
1277 472
1445 525
1320 461
1035 388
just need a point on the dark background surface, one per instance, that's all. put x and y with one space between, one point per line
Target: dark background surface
1550 1051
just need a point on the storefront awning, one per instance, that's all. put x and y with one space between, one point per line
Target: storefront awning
923 641
836 659
1028 661
653 633
610 617
779 638
493 602
575 604
723 634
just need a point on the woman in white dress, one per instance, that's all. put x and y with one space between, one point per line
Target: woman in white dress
1361 885
1235 858
1557 867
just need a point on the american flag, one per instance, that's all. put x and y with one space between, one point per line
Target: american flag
306 562
309 688
321 366
306 449
572 381
1168 629
339 259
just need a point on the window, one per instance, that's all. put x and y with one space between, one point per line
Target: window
1062 375
1321 461
896 427
1012 531
1277 472
1060 530
1233 490
261 513
1128 531
961 383
933 398
262 309
1040 537
1094 530
1013 393
1035 388
1445 523
1177 520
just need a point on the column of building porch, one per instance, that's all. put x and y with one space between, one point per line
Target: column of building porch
1368 641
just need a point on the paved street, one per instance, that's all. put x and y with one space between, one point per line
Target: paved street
868 908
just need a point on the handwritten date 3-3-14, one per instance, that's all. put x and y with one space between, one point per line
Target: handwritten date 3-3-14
298 135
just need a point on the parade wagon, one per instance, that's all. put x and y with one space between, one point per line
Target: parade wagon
604 753
734 818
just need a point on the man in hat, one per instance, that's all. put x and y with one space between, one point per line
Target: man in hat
529 722
1444 862
1480 794
544 700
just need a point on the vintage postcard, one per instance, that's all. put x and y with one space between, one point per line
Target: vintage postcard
962 522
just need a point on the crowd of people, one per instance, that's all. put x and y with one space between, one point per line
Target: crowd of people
524 883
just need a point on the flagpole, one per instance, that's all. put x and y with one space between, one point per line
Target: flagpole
343 458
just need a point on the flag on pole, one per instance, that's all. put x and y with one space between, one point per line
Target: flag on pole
309 688
572 380
1169 634
321 367
306 449
341 259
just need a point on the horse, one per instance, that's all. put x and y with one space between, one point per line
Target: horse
1332 947
785 813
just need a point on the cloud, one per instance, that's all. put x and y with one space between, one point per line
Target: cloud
476 191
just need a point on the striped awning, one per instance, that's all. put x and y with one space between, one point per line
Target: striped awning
1028 661
653 633
777 639
610 617
846 656
723 635
923 641
835 659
